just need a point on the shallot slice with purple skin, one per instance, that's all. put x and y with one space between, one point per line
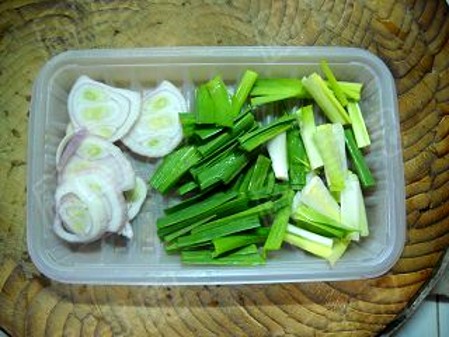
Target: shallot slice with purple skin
88 206
101 109
158 131
85 152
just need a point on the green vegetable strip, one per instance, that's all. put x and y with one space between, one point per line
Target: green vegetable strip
236 259
185 230
270 181
205 133
308 214
186 202
333 83
326 99
306 121
360 166
298 163
173 167
222 103
243 123
329 139
205 108
242 92
246 179
228 243
352 90
277 231
187 120
256 211
309 246
261 169
321 229
260 100
358 125
224 170
253 139
285 199
230 227
277 89
197 211
187 187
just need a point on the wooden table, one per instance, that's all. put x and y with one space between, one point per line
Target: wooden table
412 37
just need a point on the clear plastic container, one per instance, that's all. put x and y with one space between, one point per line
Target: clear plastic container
143 260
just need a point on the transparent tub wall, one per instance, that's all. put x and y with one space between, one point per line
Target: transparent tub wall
143 258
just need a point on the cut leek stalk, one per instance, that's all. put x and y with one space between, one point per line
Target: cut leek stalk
326 99
358 125
158 131
330 141
101 109
307 126
317 196
353 213
277 149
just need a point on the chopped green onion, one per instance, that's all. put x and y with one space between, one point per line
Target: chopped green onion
298 163
230 227
259 173
244 257
254 139
228 243
326 99
330 141
277 230
242 92
334 85
358 125
307 128
360 166
173 167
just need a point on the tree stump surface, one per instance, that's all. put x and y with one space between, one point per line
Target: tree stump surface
412 39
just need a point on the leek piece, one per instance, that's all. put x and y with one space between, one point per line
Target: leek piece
184 230
187 187
277 149
222 103
307 214
277 230
325 99
254 139
213 103
270 181
320 228
259 173
311 236
243 89
187 120
227 228
204 107
307 245
246 179
242 124
330 254
358 125
205 133
197 211
223 170
254 211
352 90
307 128
353 213
330 141
173 167
247 256
228 243
334 85
360 166
298 163
317 196
277 89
